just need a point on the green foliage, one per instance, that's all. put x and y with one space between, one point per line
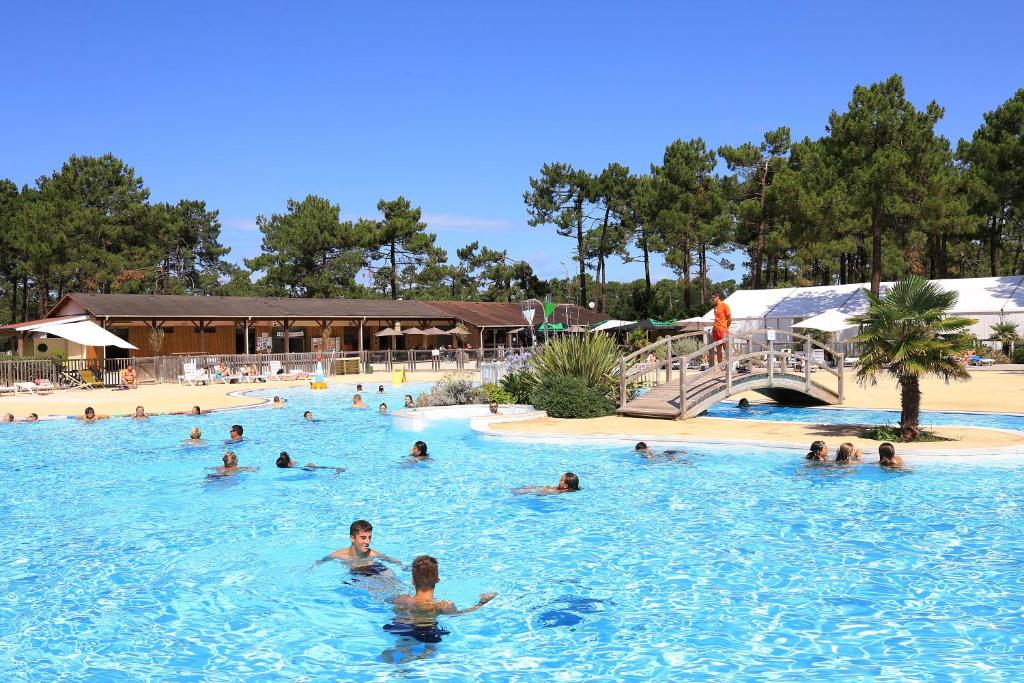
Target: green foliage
399 246
909 334
592 358
498 394
637 339
566 396
453 389
895 435
1006 334
518 385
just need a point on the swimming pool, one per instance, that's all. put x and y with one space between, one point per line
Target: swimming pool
120 561
775 412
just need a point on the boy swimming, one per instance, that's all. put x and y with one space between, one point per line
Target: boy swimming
416 615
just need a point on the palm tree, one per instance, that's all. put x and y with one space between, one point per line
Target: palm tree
1006 334
910 334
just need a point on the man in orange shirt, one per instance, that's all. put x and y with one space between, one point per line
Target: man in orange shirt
723 318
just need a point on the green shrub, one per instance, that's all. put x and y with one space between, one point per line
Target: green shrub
591 358
1018 354
498 394
518 385
454 389
570 397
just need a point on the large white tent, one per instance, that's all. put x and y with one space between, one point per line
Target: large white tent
989 300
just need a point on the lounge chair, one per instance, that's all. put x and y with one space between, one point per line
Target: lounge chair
192 375
979 361
44 387
276 374
4 389
90 378
70 379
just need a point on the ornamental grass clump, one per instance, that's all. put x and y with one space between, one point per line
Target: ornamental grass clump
454 389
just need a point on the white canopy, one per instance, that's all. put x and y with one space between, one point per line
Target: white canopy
832 320
83 332
609 325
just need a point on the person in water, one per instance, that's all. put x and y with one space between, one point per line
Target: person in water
359 554
230 466
308 416
420 611
380 388
196 410
195 436
744 403
357 401
567 484
32 417
91 416
382 409
140 413
643 449
887 456
818 452
847 454
419 450
278 402
284 460
359 387
8 417
409 403
235 434
493 407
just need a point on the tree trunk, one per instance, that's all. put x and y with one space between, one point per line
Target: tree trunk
647 268
24 298
14 299
876 249
910 407
687 295
702 266
394 272
993 248
759 240
600 259
580 252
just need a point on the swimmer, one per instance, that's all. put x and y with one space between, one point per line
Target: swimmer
382 409
278 402
567 484
91 416
847 454
308 416
231 465
32 417
196 410
195 436
409 403
818 452
493 407
643 449
421 610
359 554
284 460
744 403
235 434
380 388
359 387
887 456
140 413
419 450
8 417
357 401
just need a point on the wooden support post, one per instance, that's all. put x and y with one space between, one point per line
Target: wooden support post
841 362
246 337
728 366
771 363
682 389
622 382
668 366
807 366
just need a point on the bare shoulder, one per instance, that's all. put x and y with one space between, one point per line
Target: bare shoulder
447 607
343 554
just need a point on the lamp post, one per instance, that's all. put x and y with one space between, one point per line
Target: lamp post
528 315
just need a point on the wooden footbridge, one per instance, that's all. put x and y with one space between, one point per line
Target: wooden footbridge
785 366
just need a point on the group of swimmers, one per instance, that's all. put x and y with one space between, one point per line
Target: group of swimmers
848 454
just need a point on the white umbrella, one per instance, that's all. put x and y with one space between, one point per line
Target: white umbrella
832 320
697 323
608 325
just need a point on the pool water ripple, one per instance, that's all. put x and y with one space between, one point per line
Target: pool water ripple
120 560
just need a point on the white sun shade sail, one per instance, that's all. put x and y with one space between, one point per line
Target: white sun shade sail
84 332
831 320
611 325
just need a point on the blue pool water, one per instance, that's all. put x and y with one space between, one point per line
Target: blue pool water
772 411
119 560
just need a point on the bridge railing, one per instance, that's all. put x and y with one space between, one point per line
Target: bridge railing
651 365
776 359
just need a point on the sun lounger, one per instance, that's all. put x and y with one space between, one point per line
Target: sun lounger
89 378
979 361
8 390
276 374
44 387
70 379
193 375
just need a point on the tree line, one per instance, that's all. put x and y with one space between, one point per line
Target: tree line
879 194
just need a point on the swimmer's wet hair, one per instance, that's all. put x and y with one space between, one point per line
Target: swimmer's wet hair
237 428
358 526
284 460
89 410
421 446
845 452
230 459
424 572
886 451
572 481
641 446
196 433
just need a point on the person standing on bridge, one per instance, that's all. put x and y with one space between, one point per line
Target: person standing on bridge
723 319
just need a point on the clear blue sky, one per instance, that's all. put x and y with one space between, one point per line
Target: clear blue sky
455 105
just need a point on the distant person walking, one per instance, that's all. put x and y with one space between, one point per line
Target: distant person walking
723 319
